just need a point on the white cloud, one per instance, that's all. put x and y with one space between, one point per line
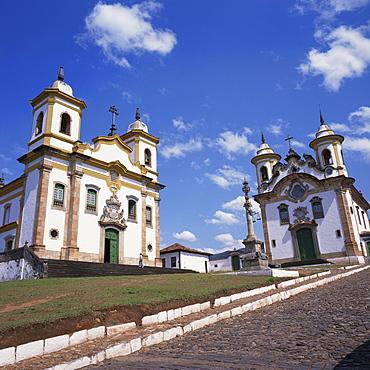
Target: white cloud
235 204
329 8
180 149
5 158
348 56
228 241
181 125
7 171
119 30
230 143
361 145
185 235
298 144
362 115
341 127
227 176
275 129
223 218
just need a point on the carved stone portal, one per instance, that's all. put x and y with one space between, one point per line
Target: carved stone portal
112 214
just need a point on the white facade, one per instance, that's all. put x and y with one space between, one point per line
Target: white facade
96 203
180 257
310 207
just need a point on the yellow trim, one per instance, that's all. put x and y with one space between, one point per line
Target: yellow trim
111 140
60 166
50 110
53 93
32 168
16 195
49 135
12 186
8 227
139 133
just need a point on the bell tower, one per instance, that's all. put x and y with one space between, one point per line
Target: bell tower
264 162
57 116
328 149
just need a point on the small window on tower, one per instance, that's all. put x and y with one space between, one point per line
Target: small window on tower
39 121
65 124
148 157
326 155
264 175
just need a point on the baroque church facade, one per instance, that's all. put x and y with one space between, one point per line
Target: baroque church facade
94 202
310 207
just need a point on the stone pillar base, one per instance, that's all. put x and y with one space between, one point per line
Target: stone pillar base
254 259
70 253
39 250
158 262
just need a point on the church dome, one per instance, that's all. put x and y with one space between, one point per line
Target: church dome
61 85
264 149
137 125
324 130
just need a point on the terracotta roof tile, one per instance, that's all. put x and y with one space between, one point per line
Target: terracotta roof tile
180 247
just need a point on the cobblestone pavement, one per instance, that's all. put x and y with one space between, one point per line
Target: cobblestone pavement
324 328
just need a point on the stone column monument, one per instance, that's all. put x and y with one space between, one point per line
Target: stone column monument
253 259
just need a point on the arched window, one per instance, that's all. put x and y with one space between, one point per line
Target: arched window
6 217
91 200
317 209
39 121
264 175
148 215
9 245
283 214
326 155
148 157
59 195
65 124
132 210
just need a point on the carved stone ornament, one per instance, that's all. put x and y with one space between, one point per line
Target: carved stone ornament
297 190
112 214
300 214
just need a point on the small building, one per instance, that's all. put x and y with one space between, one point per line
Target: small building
178 256
226 261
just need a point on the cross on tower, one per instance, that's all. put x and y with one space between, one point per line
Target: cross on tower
288 139
113 110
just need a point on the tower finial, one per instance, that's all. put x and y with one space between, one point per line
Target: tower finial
61 74
137 115
321 118
2 179
262 138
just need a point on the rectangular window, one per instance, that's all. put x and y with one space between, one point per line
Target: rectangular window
273 242
6 218
317 210
173 261
91 200
163 262
148 215
58 195
131 210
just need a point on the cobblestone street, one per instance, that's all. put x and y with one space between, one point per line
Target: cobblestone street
324 328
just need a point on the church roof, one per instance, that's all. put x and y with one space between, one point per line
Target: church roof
178 247
225 255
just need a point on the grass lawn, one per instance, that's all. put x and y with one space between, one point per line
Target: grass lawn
38 301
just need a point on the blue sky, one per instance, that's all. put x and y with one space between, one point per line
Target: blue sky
208 76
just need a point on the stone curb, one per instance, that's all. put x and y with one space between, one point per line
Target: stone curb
12 355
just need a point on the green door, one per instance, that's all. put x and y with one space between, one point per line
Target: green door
235 261
305 244
111 246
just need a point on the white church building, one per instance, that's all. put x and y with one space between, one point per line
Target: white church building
94 202
310 207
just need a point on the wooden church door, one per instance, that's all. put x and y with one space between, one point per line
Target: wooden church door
305 244
111 246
